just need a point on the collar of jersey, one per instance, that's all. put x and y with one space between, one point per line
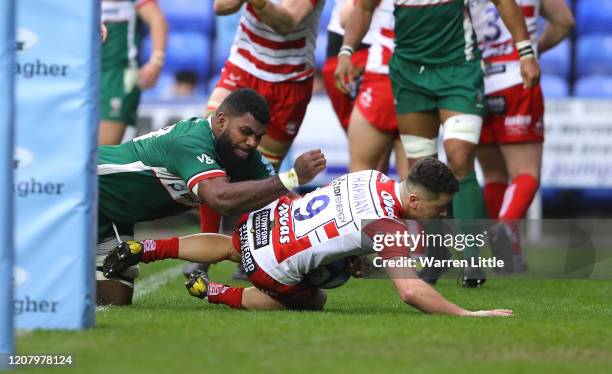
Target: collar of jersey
209 120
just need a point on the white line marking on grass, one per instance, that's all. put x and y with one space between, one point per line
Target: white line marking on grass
156 280
151 283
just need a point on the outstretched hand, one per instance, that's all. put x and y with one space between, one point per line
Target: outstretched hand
491 313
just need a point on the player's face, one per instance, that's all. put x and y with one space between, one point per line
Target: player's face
240 137
421 208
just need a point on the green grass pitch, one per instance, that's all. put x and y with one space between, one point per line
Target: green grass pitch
559 326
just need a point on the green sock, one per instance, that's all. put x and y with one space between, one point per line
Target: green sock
468 204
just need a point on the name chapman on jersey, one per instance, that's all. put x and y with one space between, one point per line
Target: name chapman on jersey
432 262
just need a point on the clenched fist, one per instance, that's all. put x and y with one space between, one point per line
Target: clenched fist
308 165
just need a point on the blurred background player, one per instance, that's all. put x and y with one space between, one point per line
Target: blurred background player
278 257
437 80
185 83
372 130
510 149
342 103
273 53
120 79
212 161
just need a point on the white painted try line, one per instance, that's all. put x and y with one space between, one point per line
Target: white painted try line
151 283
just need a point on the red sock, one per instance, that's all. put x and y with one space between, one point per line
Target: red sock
223 294
209 219
160 249
518 197
494 196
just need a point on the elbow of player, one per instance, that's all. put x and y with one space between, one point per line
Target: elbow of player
222 207
568 24
218 204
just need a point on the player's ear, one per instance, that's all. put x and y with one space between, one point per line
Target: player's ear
221 119
413 201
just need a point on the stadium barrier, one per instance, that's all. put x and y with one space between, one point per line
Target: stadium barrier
7 52
56 80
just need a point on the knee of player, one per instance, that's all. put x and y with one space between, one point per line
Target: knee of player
461 162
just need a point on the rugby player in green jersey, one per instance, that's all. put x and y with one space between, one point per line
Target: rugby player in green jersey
210 161
121 78
437 79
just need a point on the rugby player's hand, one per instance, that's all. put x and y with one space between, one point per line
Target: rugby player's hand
345 74
149 73
490 313
530 72
361 267
103 32
308 165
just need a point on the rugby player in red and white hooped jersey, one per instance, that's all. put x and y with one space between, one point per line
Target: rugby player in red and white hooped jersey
281 243
510 149
373 122
341 102
273 53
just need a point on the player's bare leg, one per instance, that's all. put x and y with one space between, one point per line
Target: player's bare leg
401 163
367 144
523 158
274 150
207 247
111 132
461 136
254 299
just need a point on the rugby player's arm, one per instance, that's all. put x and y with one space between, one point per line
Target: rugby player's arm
239 197
283 18
360 18
560 23
511 14
425 298
153 16
225 7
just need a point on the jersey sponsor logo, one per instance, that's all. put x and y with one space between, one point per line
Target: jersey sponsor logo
261 228
337 189
388 204
366 98
518 120
246 258
491 69
204 158
291 128
495 105
283 219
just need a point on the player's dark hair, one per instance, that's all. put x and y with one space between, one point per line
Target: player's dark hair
433 175
246 100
